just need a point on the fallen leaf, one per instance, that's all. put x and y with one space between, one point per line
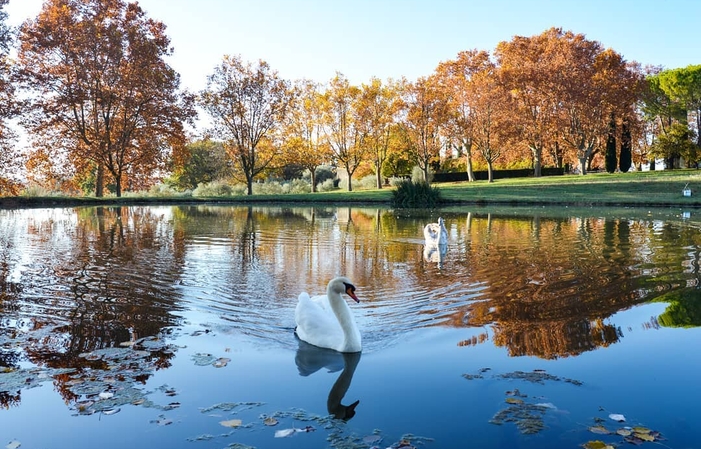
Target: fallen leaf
617 417
13 445
514 401
221 362
597 444
231 423
111 411
601 430
106 395
270 421
644 436
639 429
623 432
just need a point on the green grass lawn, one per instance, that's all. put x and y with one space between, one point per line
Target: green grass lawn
648 189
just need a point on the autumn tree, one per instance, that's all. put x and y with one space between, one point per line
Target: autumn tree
305 143
425 117
341 126
375 113
602 84
100 89
457 78
8 158
202 161
248 103
531 67
492 105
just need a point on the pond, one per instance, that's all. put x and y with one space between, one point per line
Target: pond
173 326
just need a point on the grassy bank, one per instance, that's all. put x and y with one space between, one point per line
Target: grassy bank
641 189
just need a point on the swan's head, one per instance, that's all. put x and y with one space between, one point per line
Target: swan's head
342 284
440 221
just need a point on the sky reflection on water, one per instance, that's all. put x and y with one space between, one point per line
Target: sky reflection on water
607 302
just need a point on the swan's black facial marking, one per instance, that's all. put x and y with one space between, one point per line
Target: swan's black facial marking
350 291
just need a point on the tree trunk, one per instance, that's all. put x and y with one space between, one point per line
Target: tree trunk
312 175
350 180
490 171
378 174
583 165
100 181
537 160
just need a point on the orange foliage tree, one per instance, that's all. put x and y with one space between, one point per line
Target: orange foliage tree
303 135
101 90
8 159
426 112
375 114
341 125
248 104
457 77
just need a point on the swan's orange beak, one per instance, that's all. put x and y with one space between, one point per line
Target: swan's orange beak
350 292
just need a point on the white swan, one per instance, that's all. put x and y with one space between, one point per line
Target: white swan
326 320
436 233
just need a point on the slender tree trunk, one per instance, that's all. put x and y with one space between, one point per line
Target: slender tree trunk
100 181
537 160
312 175
490 171
378 173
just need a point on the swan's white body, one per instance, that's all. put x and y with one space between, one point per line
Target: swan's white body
436 233
326 320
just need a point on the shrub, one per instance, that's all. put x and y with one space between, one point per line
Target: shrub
409 194
214 188
328 185
417 175
366 183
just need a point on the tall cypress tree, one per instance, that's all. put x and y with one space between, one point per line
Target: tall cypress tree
610 158
626 158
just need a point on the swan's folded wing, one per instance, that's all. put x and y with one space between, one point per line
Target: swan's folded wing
316 324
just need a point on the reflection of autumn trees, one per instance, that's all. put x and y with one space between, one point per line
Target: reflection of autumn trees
564 278
101 277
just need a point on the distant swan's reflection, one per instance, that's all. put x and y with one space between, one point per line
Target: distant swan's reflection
310 359
435 253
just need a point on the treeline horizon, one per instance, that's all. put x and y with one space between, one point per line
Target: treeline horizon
102 108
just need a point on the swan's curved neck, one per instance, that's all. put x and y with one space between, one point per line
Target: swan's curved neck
351 341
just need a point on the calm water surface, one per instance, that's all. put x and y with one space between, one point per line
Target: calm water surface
173 327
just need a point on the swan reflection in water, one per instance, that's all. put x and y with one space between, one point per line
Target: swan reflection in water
310 359
435 254
436 245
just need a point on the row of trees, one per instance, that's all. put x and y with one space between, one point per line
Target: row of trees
98 98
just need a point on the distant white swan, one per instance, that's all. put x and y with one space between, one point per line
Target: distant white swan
436 233
326 320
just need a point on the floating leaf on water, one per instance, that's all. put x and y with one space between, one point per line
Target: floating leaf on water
640 429
644 436
231 423
632 439
111 411
105 395
221 362
372 439
601 430
285 433
623 432
13 445
617 417
514 401
270 421
596 444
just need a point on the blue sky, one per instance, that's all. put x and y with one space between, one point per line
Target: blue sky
394 38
